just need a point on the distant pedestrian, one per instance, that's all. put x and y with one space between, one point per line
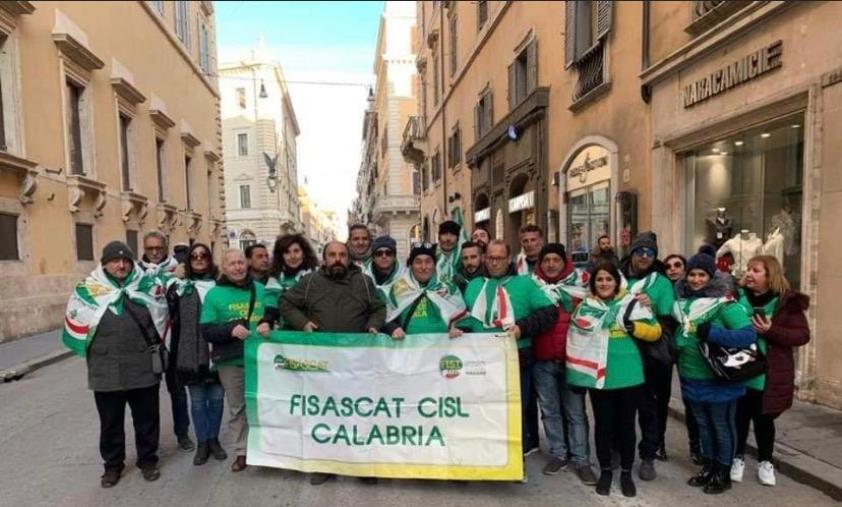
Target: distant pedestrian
190 352
777 315
603 251
115 319
359 244
257 256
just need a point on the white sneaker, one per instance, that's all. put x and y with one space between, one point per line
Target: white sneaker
766 473
738 467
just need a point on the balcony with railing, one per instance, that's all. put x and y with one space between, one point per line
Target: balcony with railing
414 140
591 82
709 13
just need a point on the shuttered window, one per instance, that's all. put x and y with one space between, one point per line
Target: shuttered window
586 25
9 238
523 75
84 242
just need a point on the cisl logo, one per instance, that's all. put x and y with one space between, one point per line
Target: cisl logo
450 366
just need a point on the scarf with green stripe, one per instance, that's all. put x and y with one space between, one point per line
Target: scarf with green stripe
99 293
691 312
493 306
448 264
590 329
283 282
563 292
406 290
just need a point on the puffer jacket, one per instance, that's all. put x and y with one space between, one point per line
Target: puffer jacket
789 330
551 345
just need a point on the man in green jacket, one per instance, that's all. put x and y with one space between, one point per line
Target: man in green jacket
230 314
645 276
503 301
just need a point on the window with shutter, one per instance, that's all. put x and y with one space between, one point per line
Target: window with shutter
74 127
188 163
159 167
511 93
482 14
588 25
454 38
245 196
9 237
124 151
531 67
84 242
569 33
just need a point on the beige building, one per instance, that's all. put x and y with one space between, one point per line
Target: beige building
746 114
259 131
525 117
319 225
387 191
100 141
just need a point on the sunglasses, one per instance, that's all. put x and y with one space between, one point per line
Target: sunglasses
426 245
384 253
676 265
645 252
199 256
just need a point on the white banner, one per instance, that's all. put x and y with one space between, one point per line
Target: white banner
355 404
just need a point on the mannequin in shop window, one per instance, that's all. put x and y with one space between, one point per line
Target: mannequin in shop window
720 228
774 245
742 247
787 222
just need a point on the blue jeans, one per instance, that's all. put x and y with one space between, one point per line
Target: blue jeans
717 429
206 408
553 397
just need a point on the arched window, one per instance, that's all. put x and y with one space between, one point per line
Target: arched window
247 238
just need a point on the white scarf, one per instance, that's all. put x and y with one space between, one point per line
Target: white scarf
98 293
167 265
493 306
590 328
406 290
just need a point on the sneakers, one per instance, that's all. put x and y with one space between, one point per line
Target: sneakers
185 444
647 470
531 451
586 475
555 466
738 468
765 473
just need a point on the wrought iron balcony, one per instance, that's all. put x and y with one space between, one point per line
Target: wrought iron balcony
591 71
413 142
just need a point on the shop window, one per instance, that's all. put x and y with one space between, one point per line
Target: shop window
9 237
588 218
744 196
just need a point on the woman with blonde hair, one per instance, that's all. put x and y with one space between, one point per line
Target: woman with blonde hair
777 315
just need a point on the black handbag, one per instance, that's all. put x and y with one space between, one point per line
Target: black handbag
233 349
660 351
160 354
733 363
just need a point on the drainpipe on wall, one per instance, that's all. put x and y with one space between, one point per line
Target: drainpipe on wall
645 90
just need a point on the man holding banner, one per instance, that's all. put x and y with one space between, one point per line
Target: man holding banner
419 302
336 298
503 301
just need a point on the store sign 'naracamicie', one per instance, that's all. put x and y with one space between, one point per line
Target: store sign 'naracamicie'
745 69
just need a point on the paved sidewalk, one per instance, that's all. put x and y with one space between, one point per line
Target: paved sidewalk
808 444
24 355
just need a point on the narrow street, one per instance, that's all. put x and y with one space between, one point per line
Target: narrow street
48 441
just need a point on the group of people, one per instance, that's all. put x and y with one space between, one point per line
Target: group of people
612 331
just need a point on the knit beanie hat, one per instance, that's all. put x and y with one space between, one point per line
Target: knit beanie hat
116 250
421 249
704 262
384 242
647 239
708 250
449 226
556 248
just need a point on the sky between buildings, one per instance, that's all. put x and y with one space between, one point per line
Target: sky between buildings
327 51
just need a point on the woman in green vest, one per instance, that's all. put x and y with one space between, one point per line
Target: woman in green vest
706 310
603 357
777 315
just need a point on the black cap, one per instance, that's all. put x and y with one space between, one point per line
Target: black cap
421 249
647 239
449 226
384 242
116 250
556 248
704 262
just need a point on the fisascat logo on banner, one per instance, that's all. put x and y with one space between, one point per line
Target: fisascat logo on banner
450 366
302 365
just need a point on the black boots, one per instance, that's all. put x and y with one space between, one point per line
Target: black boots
603 485
627 484
720 481
216 450
202 454
704 476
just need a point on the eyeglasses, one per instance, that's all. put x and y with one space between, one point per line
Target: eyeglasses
645 252
198 256
676 265
154 248
384 253
496 259
426 245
